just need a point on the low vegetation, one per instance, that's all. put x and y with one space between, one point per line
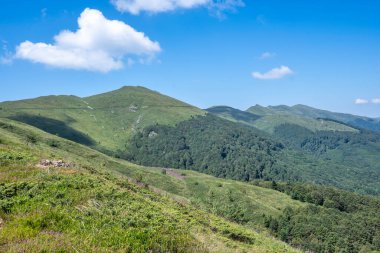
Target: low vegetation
87 207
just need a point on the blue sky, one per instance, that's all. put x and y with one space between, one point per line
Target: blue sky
322 53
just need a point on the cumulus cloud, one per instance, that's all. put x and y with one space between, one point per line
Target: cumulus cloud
361 101
99 44
276 73
156 6
267 55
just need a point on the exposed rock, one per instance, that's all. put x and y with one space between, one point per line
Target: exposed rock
133 108
54 163
152 134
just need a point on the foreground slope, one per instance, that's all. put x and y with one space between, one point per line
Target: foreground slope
104 121
96 203
87 206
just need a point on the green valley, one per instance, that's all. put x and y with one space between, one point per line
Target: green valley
261 184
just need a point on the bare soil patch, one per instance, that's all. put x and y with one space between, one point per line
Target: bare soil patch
174 173
54 164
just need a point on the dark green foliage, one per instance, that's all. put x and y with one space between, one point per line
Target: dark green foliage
208 144
230 207
338 221
230 150
31 139
53 143
12 157
321 141
350 159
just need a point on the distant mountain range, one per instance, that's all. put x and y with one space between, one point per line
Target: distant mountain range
131 176
309 112
268 117
274 143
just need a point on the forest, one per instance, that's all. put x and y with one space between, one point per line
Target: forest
210 145
336 220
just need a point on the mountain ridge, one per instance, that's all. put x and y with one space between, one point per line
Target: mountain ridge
107 119
308 111
301 161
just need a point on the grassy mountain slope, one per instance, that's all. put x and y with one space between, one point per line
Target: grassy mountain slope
233 114
309 112
91 205
99 203
104 121
271 122
267 120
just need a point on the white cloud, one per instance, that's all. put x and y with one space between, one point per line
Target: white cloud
361 101
275 73
156 6
98 45
267 55
375 101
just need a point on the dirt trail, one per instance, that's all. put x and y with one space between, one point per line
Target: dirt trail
174 173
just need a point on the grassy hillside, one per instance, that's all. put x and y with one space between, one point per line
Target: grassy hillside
271 122
101 204
309 112
104 121
233 114
89 205
266 119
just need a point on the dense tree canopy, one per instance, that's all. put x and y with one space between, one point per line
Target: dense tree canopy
211 145
336 220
